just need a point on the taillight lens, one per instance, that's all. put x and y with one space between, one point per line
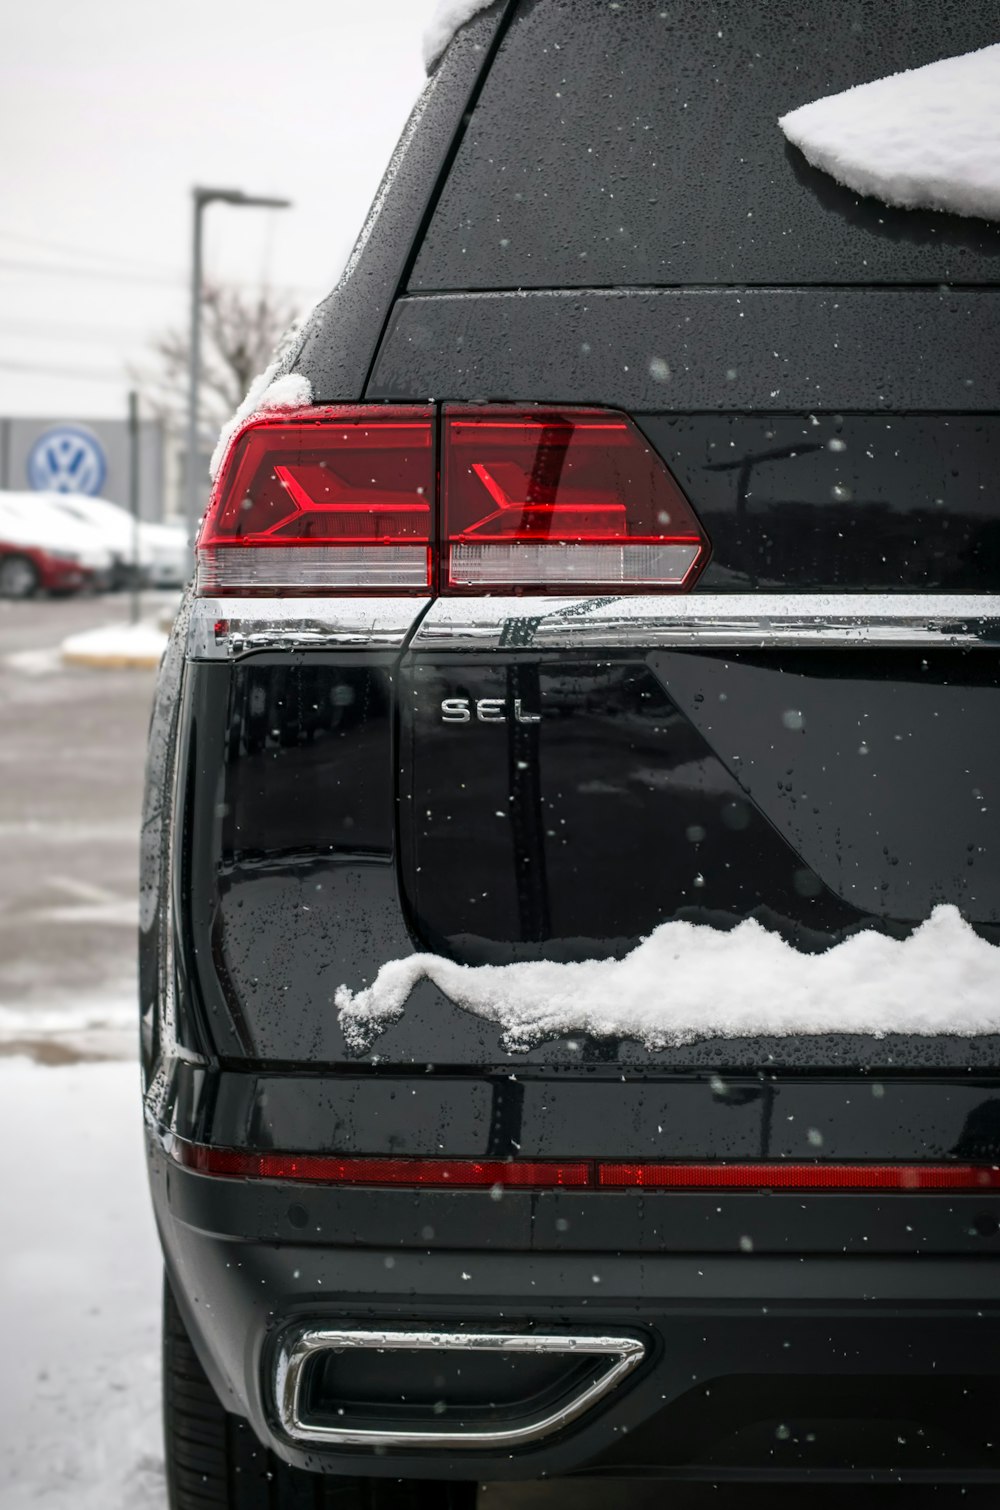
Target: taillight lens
344 500
324 500
564 501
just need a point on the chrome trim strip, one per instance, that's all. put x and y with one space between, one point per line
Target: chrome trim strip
320 623
302 1345
710 619
645 621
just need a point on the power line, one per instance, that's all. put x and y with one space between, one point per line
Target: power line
87 375
71 334
82 251
65 269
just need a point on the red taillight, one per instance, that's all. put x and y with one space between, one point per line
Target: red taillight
573 500
781 1176
330 500
331 1170
582 1174
324 500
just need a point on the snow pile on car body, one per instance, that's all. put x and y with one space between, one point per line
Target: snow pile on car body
444 23
928 138
688 982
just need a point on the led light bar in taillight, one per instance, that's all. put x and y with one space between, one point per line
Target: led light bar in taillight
572 500
324 500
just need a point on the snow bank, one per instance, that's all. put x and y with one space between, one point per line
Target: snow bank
444 23
79 1294
688 982
116 645
98 1029
928 138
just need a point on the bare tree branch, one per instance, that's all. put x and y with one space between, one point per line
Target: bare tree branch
239 333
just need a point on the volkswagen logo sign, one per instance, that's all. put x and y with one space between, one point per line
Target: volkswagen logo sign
67 459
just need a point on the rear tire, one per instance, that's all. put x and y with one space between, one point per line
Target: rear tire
214 1461
18 577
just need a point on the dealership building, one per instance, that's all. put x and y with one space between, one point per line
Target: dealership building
69 455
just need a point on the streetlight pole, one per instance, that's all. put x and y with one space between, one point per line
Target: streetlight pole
133 501
201 198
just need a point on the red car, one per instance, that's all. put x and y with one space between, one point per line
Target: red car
27 569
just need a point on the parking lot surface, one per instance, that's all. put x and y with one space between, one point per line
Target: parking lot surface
71 758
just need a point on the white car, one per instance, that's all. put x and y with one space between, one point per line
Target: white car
171 560
161 549
26 519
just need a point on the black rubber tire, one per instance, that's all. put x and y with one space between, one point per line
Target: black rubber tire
215 1462
18 577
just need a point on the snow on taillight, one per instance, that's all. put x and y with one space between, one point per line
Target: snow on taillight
343 500
564 501
323 500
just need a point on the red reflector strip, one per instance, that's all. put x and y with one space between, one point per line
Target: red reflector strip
579 1174
330 1170
798 1177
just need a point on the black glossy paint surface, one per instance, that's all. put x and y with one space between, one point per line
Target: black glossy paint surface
341 336
845 503
787 786
879 769
853 1336
775 350
576 836
289 882
165 1021
624 807
586 1114
638 144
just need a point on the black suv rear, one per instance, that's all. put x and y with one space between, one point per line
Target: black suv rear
634 561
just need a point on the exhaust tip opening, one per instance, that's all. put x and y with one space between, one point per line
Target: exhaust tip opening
426 1389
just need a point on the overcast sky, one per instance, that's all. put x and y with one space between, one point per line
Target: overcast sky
111 110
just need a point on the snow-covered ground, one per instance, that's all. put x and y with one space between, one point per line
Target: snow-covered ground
79 1293
79 1264
79 1303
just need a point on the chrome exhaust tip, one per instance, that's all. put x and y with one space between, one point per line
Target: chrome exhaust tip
305 1418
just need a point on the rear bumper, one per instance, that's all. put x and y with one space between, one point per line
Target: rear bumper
756 1365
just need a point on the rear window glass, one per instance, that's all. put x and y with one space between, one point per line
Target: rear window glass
636 143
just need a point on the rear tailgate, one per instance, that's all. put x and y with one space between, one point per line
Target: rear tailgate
808 739
808 736
816 750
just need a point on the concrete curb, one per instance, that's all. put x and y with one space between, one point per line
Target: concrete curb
98 662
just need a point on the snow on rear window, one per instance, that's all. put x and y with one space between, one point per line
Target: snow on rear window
689 982
928 138
444 23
